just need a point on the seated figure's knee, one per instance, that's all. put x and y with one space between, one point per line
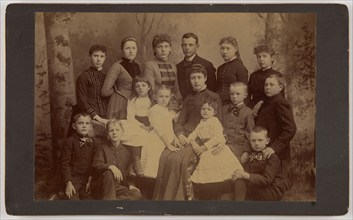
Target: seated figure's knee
108 176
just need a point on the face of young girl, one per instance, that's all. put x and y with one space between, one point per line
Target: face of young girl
130 50
97 59
142 89
162 51
259 140
228 51
82 125
163 97
114 132
264 60
207 111
272 87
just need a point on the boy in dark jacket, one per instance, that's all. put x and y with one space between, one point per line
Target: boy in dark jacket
76 159
262 175
110 164
276 115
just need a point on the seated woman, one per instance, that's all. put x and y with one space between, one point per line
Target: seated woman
175 167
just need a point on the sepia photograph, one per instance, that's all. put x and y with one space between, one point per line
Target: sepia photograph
175 106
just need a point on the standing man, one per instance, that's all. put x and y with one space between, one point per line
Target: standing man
190 44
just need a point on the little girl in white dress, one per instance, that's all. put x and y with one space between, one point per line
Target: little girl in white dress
137 125
162 134
209 133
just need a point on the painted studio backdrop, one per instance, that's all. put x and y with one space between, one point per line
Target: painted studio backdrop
62 41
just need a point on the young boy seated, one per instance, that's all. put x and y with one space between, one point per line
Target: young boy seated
262 175
265 59
76 159
110 164
276 115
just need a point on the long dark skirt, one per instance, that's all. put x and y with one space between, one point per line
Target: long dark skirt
173 177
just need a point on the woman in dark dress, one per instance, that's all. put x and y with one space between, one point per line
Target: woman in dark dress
173 177
232 70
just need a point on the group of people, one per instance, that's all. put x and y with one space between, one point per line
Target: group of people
179 132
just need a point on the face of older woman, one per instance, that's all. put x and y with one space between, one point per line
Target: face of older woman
130 50
162 51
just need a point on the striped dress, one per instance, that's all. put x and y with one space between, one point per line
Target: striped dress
160 72
88 92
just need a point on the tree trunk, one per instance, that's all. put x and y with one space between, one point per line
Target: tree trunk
61 76
43 136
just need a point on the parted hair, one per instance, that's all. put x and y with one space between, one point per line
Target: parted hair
77 116
97 47
126 39
198 68
191 35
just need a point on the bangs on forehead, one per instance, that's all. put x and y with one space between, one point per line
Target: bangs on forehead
113 122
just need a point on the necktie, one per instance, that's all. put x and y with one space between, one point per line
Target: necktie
85 140
235 109
256 156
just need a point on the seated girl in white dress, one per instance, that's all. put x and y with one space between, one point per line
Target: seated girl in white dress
212 170
162 135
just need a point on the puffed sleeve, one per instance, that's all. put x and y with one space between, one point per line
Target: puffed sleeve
176 86
157 123
149 74
109 82
217 136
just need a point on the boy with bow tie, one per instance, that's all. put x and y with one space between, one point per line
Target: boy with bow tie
238 120
76 159
262 175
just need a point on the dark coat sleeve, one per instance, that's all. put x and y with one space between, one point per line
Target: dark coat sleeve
242 74
287 124
66 157
99 163
211 77
273 167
